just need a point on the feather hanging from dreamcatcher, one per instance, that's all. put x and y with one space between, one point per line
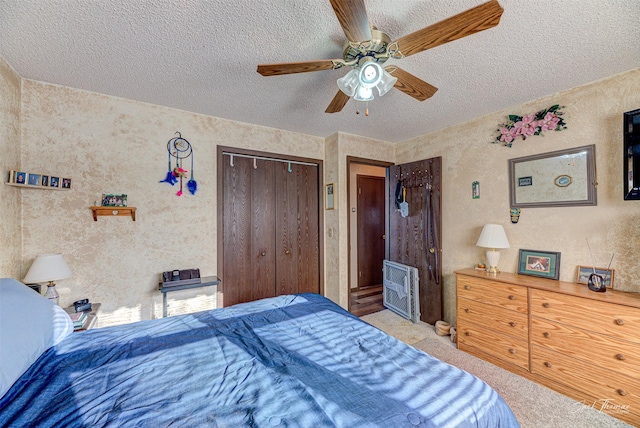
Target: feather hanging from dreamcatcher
171 179
191 184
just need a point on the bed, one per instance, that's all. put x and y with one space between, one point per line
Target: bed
289 361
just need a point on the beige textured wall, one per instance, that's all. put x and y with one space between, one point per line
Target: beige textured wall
112 145
10 197
593 114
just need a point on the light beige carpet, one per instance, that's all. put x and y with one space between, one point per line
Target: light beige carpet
534 405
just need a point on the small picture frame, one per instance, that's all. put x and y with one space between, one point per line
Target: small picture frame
44 181
545 264
111 200
34 179
525 181
585 271
54 182
66 183
21 177
329 197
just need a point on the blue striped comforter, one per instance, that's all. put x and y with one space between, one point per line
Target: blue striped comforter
288 361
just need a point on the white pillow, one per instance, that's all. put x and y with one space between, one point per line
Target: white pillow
29 325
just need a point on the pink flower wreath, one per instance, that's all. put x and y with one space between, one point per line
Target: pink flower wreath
532 124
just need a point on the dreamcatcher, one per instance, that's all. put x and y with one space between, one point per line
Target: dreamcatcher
180 149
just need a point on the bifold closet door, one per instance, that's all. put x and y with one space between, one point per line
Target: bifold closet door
249 239
271 226
297 229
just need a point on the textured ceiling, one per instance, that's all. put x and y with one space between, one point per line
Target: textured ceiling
201 56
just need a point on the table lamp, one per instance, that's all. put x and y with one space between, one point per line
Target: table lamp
48 268
492 236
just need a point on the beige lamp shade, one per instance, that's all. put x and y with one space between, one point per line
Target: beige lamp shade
48 268
492 237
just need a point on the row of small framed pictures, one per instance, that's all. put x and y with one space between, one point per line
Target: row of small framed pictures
546 264
39 180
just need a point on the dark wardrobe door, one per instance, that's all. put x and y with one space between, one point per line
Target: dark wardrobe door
297 229
270 229
249 239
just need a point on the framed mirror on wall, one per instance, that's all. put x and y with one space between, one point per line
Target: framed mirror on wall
554 179
631 132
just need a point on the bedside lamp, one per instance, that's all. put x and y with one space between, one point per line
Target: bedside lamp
492 236
48 268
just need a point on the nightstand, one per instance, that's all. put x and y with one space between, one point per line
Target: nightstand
92 316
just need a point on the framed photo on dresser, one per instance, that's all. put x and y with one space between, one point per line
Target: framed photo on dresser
545 264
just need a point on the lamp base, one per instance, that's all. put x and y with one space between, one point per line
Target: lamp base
51 293
493 257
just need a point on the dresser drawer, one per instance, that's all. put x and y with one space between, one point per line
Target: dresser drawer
599 383
592 348
508 296
501 346
609 319
471 313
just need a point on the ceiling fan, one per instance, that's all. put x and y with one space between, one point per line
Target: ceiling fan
367 48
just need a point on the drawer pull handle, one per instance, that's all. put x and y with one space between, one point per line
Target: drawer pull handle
466 287
513 351
546 334
546 305
263 254
620 321
547 364
467 310
466 333
512 324
512 297
621 357
622 392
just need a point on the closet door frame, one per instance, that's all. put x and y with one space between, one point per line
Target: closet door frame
220 159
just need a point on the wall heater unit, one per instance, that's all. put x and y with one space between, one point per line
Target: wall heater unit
400 290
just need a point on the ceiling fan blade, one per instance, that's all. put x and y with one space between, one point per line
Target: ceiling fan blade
337 103
353 19
474 20
298 67
411 85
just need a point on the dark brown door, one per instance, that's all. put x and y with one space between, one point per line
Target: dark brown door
270 228
415 240
249 238
297 229
371 229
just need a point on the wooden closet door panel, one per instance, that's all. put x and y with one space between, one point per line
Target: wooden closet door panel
416 240
297 229
237 231
263 244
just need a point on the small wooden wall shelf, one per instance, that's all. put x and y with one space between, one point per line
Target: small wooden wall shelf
31 186
113 211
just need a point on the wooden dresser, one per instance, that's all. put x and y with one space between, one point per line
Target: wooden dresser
562 335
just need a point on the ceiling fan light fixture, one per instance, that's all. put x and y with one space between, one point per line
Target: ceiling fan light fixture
349 83
363 94
386 83
370 74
